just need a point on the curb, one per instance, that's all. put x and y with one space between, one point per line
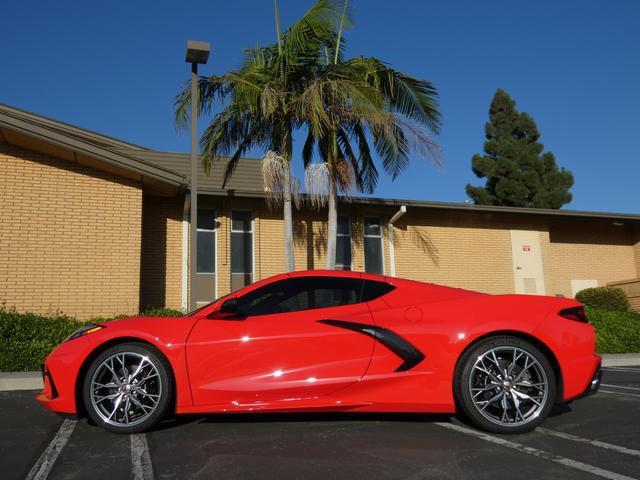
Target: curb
20 381
621 360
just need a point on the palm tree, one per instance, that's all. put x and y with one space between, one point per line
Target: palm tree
352 101
258 103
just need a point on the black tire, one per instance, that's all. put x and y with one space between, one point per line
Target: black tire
155 387
488 414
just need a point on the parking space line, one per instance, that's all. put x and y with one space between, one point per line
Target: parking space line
567 462
620 393
620 386
140 458
622 369
595 443
42 467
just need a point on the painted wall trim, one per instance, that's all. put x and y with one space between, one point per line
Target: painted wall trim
184 302
392 251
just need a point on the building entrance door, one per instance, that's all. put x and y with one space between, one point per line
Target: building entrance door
528 271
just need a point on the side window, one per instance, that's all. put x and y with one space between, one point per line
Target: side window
373 256
298 294
241 249
206 254
373 289
343 243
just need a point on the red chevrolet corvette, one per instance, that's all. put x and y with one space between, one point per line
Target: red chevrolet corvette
332 341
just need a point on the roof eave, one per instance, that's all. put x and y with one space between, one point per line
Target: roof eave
25 127
394 202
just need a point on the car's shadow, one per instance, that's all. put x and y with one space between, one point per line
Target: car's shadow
269 417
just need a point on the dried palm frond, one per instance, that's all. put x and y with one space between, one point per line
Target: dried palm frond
296 196
273 177
319 175
316 183
344 175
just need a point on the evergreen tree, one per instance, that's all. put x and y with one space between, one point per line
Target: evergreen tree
518 173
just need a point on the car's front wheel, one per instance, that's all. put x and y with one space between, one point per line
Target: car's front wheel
127 388
505 384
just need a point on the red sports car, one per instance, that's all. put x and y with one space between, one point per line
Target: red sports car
332 341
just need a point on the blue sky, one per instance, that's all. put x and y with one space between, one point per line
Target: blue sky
114 67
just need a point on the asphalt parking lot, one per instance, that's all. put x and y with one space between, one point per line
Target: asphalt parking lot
597 437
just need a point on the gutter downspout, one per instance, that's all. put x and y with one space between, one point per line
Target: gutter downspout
392 252
185 253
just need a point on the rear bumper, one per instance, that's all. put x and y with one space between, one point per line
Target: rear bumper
581 377
594 384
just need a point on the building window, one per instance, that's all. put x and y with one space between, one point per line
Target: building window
343 243
373 255
206 243
241 249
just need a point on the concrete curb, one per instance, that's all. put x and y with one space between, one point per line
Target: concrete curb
20 381
33 380
621 360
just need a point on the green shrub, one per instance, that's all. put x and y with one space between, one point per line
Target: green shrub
616 332
604 298
25 338
161 312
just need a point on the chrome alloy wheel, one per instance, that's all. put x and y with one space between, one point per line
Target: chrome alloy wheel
508 386
125 389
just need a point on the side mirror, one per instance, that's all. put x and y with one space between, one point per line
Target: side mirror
227 311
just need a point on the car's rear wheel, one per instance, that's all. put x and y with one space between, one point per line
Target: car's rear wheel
505 384
128 388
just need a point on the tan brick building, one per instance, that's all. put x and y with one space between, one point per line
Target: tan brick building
91 225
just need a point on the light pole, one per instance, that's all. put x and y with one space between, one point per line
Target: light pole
197 54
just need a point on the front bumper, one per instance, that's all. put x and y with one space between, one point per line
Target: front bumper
59 373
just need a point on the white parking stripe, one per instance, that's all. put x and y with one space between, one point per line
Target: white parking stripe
42 467
619 393
140 458
622 369
620 386
595 443
567 462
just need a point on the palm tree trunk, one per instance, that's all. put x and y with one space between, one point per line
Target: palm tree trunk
288 221
332 224
287 150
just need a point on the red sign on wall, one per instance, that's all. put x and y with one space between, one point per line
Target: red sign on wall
526 248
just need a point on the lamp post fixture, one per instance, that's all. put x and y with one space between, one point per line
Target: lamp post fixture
197 54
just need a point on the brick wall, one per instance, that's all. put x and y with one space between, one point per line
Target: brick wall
631 289
461 249
587 250
636 247
69 237
161 260
453 250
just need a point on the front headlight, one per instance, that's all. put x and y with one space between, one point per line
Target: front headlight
82 331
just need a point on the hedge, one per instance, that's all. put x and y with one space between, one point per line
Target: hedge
25 338
605 298
616 332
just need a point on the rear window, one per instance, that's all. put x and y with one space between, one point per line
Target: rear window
373 289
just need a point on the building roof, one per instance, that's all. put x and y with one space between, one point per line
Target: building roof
174 168
247 176
21 128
